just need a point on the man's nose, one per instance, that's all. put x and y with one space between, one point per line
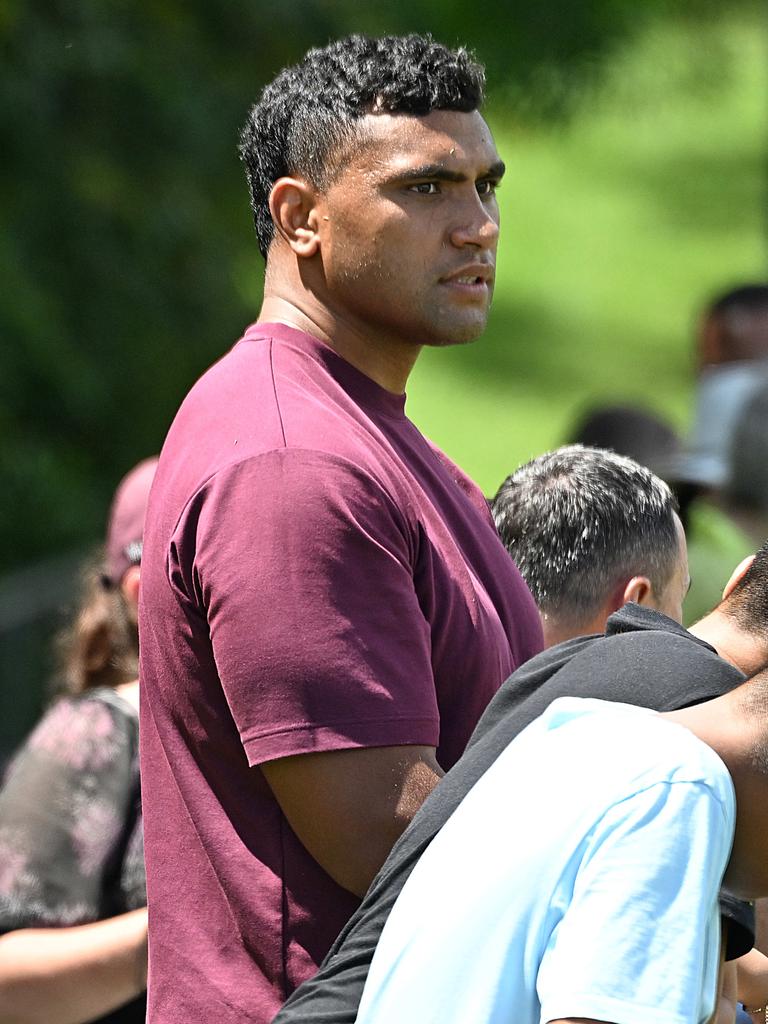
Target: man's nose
477 225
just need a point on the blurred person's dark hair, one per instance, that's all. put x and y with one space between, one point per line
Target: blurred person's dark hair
578 521
734 326
305 121
100 646
628 430
640 435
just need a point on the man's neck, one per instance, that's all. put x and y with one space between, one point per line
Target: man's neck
386 361
743 650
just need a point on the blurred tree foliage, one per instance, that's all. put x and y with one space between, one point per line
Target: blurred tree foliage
128 263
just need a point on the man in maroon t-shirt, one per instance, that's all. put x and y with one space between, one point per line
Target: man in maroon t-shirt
326 607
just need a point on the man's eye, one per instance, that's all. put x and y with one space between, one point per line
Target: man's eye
426 188
487 188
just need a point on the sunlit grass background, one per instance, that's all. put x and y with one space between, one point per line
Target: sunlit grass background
616 229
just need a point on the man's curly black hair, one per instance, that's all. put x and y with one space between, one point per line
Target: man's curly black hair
303 118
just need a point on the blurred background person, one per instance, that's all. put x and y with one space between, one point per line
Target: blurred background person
733 329
731 352
72 888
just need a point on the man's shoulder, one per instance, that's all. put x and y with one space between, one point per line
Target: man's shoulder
663 669
660 666
231 405
279 388
673 752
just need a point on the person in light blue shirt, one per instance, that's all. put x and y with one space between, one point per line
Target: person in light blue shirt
578 878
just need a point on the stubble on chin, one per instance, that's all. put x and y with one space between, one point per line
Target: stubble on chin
451 329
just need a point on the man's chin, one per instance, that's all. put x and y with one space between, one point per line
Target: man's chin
457 333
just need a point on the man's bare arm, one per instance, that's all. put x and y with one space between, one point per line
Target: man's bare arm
348 807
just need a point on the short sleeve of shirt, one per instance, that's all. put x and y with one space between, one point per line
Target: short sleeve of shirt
302 565
640 938
64 808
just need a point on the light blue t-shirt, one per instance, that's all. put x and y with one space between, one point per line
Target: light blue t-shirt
578 878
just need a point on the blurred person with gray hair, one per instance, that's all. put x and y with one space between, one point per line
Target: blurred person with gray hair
732 353
591 530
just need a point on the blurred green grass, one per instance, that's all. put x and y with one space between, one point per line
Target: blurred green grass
616 229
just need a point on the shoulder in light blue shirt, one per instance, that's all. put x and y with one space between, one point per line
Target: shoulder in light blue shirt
578 878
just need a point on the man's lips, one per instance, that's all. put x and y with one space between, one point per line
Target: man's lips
473 276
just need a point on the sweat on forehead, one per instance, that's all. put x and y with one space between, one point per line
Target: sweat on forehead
449 144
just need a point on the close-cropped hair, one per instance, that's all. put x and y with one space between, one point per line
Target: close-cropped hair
306 118
747 603
578 521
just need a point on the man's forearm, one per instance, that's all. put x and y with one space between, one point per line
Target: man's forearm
72 975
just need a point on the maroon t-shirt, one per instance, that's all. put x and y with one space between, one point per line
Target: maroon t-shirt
315 576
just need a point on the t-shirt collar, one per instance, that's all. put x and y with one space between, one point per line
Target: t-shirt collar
365 391
633 617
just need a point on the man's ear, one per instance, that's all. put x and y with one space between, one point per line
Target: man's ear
737 575
639 590
293 205
129 585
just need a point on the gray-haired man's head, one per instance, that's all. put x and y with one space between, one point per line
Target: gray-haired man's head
589 531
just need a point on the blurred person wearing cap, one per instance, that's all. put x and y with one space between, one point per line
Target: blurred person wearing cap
73 919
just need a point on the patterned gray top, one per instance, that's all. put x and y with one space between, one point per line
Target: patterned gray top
71 840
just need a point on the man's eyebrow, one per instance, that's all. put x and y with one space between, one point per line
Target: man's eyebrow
439 172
